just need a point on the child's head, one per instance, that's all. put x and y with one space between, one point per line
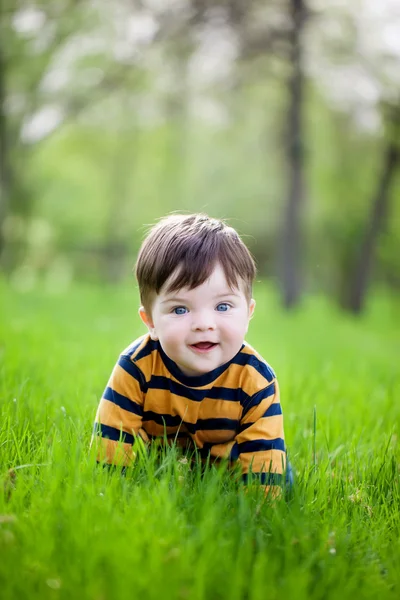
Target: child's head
189 247
195 279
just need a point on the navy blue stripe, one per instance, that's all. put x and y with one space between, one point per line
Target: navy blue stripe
217 424
261 367
205 450
234 455
273 410
148 349
261 445
158 382
132 370
241 359
123 402
257 398
201 425
230 394
264 478
244 426
161 419
112 433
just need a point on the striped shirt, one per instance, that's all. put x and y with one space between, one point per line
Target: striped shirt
232 412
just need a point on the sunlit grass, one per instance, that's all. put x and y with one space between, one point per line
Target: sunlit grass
68 528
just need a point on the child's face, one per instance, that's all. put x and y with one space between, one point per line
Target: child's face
203 328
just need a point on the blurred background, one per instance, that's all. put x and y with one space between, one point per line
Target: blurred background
281 116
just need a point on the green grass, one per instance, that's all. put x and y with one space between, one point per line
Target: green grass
70 529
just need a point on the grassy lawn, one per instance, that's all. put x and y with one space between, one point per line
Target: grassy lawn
70 529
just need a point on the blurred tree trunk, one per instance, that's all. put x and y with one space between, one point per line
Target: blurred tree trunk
5 167
291 278
378 216
14 196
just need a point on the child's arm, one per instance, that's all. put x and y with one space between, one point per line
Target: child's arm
119 415
260 447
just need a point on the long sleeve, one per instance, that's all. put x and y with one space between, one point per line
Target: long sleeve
119 415
260 445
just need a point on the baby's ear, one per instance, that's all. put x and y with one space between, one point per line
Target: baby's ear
147 320
252 306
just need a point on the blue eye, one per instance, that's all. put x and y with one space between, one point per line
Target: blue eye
179 310
223 307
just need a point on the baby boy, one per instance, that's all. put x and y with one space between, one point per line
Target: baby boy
193 379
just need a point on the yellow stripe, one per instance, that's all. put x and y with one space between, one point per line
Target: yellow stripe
218 436
116 453
222 450
210 409
163 402
153 428
142 433
126 385
268 428
268 461
115 416
152 364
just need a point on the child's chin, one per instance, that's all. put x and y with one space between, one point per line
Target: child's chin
196 372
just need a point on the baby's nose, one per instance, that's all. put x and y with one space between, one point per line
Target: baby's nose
203 322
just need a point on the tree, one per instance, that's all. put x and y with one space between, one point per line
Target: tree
357 42
378 213
291 235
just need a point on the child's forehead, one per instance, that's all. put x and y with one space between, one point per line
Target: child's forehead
217 283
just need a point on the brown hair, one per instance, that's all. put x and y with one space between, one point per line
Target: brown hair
193 244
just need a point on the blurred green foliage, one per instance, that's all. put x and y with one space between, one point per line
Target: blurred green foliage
84 178
114 115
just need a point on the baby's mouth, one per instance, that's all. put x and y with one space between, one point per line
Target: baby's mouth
203 346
